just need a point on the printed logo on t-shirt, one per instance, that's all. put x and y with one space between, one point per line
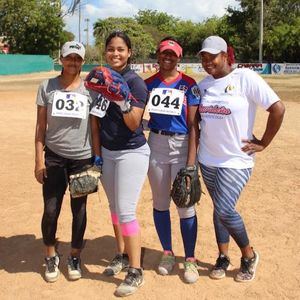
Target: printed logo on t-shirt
196 91
183 87
214 111
229 88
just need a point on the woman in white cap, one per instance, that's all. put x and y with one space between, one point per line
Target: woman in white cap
229 98
173 103
63 147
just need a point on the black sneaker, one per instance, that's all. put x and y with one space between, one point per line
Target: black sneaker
247 269
220 268
74 270
52 270
133 280
119 263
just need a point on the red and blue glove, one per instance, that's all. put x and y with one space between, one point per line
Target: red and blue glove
109 83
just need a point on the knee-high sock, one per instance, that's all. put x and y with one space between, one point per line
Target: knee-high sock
188 229
162 223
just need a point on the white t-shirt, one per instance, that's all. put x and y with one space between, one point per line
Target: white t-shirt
228 108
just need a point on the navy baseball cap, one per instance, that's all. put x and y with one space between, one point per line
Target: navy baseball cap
214 45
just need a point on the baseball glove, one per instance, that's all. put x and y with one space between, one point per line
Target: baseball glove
109 83
85 182
184 193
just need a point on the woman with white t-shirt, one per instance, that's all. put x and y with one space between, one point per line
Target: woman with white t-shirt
229 98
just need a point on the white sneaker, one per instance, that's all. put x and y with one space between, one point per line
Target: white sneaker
133 280
221 266
167 263
119 263
74 270
248 269
191 274
52 270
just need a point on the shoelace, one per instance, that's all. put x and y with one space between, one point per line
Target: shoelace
51 263
74 263
117 260
222 263
167 258
190 266
132 278
246 265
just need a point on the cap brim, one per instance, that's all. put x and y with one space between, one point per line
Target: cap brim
173 49
72 52
210 50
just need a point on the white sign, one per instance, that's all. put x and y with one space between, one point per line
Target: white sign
69 105
166 101
100 107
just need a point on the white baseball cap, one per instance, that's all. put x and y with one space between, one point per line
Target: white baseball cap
214 45
73 47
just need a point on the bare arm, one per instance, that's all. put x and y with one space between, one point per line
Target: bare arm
193 127
133 118
95 129
276 113
40 132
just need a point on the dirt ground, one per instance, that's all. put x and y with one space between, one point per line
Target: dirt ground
269 206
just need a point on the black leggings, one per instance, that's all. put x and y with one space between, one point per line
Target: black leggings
54 187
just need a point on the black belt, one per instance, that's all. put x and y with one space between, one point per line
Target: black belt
165 132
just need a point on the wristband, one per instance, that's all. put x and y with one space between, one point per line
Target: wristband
98 161
128 110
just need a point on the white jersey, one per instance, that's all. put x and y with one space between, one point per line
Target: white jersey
228 108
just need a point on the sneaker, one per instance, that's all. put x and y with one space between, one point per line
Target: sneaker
220 268
247 269
191 274
74 270
167 263
119 263
133 280
52 271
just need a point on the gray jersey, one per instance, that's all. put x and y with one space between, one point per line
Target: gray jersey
69 136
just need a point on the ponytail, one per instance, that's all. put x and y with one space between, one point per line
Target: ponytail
230 55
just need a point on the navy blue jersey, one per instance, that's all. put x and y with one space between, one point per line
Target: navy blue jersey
114 134
177 124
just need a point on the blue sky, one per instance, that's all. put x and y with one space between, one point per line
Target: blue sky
194 10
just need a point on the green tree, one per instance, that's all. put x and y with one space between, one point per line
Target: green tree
31 26
281 29
142 42
162 21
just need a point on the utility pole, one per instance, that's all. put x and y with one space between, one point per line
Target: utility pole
59 3
87 31
79 22
261 31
